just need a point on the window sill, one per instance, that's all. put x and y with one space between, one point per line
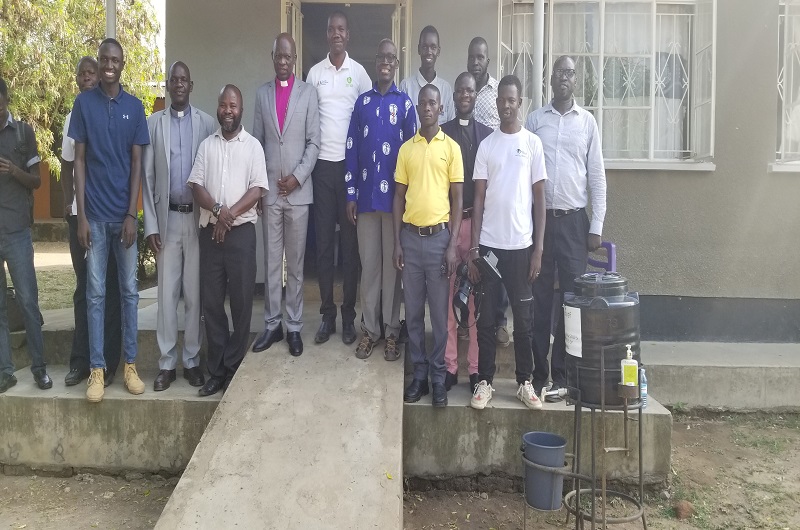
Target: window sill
784 167
660 165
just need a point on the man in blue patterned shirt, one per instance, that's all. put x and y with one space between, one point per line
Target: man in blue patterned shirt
383 118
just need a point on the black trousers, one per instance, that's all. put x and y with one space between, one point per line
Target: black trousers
227 268
565 249
112 338
514 266
330 200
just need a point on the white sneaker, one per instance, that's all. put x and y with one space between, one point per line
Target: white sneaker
482 395
527 395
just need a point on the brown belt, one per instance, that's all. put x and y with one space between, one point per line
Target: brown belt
425 231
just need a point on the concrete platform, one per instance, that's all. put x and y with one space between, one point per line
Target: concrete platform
58 428
307 442
459 441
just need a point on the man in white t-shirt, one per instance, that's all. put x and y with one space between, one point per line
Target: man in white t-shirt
339 80
86 79
509 181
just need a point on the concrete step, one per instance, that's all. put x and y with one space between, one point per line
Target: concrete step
467 442
50 230
299 442
58 428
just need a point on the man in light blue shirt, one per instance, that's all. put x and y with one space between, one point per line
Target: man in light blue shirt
429 50
575 171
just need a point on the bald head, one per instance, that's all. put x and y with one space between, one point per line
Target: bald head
284 56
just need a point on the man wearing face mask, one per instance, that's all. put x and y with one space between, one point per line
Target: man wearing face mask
383 118
286 123
228 178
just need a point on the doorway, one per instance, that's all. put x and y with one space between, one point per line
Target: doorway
369 23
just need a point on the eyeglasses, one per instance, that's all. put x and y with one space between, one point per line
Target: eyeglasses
389 58
465 91
563 72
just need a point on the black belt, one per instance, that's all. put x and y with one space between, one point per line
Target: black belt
562 213
466 214
182 208
425 230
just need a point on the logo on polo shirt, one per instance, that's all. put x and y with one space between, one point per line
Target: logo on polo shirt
364 174
349 142
366 98
378 169
378 112
393 114
322 82
350 83
384 186
348 177
386 148
366 130
408 104
351 190
522 153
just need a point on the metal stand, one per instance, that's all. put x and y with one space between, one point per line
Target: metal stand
572 500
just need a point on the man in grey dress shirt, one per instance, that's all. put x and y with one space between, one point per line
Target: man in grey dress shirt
575 171
171 224
429 50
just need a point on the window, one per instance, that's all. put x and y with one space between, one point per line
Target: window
645 70
788 148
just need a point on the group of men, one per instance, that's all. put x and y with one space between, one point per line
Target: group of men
419 179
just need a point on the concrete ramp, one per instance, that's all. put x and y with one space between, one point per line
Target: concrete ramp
307 442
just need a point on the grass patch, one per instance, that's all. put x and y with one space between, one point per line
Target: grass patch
55 288
755 440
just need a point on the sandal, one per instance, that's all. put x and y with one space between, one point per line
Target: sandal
364 348
391 352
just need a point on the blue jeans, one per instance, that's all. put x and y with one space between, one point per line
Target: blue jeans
16 249
106 237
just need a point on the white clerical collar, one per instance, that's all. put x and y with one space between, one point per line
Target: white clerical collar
463 123
284 83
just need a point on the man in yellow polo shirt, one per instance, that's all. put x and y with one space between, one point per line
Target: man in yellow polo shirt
427 216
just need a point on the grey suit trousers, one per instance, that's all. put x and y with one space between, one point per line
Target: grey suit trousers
179 266
380 281
285 227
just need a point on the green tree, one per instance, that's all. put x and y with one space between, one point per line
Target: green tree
41 42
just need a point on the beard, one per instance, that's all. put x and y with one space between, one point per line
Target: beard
233 127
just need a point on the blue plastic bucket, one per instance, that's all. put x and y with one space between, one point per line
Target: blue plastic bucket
543 489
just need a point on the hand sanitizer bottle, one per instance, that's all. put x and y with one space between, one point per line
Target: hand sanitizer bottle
630 369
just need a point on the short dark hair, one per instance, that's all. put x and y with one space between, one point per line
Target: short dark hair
465 75
433 88
113 41
85 59
478 41
341 14
429 30
511 80
3 88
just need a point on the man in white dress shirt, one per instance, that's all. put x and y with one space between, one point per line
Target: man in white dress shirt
575 171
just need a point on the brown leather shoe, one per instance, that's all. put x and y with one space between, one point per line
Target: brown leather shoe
163 379
194 376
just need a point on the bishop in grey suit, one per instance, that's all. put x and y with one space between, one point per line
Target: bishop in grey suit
171 223
287 125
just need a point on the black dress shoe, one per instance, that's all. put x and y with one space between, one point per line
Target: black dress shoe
108 378
163 379
415 391
75 376
348 332
268 338
439 395
43 380
194 376
295 343
212 386
326 329
7 381
450 380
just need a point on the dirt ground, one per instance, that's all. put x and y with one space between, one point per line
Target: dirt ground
738 472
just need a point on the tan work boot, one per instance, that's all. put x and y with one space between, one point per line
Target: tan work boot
96 389
132 382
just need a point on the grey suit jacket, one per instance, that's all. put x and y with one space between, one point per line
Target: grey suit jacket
155 161
293 151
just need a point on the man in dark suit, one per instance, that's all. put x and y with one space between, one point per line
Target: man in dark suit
286 124
171 224
468 133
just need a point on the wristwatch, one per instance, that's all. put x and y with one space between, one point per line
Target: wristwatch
215 210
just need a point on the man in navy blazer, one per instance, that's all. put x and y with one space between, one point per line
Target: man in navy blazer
287 125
